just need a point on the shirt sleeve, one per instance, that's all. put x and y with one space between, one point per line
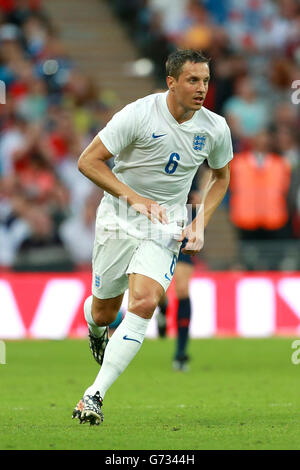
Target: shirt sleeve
222 152
120 131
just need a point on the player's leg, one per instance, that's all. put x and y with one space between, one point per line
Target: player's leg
161 317
150 272
111 257
144 294
103 312
110 260
183 273
99 313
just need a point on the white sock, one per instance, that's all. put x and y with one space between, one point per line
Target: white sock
87 308
121 349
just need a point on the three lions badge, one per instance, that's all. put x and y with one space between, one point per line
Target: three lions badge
199 141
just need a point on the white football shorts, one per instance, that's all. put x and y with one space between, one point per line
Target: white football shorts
114 259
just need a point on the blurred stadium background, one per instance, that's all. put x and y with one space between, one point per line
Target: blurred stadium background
67 67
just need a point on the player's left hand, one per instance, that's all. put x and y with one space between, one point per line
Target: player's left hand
195 241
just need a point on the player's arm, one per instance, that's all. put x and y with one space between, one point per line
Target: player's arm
92 164
212 192
215 191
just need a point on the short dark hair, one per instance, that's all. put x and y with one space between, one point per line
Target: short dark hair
177 59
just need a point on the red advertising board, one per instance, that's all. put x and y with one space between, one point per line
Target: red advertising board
40 305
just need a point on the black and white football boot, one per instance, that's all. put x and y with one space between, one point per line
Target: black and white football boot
88 410
98 345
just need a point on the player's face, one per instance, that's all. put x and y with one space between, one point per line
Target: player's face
191 87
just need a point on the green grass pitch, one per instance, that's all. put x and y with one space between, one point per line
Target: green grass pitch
239 394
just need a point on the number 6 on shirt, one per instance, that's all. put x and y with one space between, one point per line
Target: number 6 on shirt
172 163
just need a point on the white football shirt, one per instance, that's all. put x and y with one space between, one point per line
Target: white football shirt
158 157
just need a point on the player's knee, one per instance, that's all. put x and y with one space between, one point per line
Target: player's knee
143 303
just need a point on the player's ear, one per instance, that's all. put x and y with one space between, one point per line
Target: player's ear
170 83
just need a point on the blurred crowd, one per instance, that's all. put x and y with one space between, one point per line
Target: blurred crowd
254 47
53 110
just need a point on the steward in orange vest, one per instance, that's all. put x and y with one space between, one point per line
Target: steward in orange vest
259 187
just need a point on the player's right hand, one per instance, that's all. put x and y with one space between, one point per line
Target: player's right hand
150 209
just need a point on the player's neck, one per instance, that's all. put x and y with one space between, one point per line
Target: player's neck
179 113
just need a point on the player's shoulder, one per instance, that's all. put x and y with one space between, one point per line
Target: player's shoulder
147 102
213 120
143 110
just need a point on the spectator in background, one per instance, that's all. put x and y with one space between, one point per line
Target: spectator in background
20 87
259 187
247 110
12 141
61 138
66 145
226 71
37 179
36 31
42 249
287 145
172 13
33 106
285 114
280 74
82 222
13 226
81 95
197 30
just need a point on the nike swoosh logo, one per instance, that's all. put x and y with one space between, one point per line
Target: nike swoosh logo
157 136
131 339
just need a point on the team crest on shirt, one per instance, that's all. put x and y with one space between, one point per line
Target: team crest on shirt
97 280
199 141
